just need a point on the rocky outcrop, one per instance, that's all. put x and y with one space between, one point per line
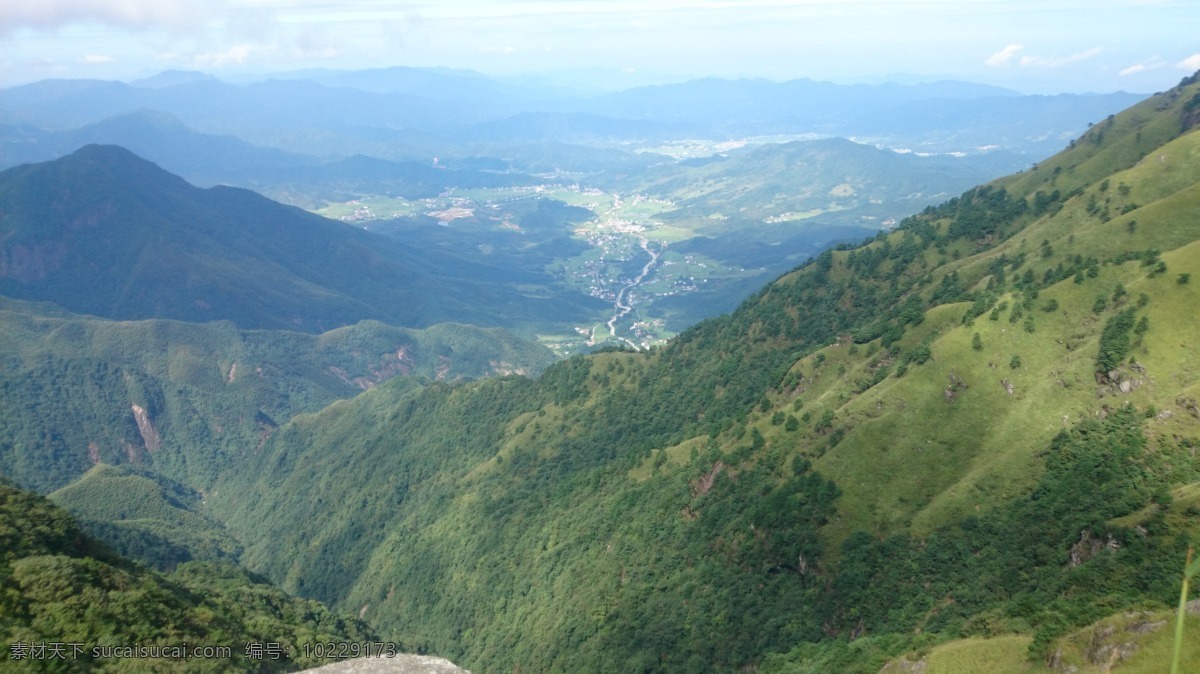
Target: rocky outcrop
150 435
1089 546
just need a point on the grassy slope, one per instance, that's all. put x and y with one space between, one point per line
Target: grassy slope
896 469
1133 642
814 177
574 531
145 517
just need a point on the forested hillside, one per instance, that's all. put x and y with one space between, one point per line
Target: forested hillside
188 399
981 425
106 233
60 587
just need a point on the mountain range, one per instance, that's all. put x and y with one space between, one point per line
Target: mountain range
396 113
966 443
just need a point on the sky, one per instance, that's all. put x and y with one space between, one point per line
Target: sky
1034 46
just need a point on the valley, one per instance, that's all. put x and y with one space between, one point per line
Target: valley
680 242
672 379
626 262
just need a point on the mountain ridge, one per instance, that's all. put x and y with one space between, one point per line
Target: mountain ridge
977 432
72 386
162 248
713 108
826 473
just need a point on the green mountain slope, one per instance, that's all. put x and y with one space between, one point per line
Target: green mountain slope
104 232
186 399
60 587
961 428
145 517
834 180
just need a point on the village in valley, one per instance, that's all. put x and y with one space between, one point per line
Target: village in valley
628 261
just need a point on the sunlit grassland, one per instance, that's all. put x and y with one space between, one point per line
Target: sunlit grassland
593 200
1134 642
676 456
898 470
377 207
1137 642
564 345
1144 638
998 655
895 473
672 232
635 209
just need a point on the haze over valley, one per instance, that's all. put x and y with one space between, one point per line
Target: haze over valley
653 212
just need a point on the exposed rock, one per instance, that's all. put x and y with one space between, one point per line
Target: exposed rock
701 486
400 664
1110 646
442 369
1116 380
1101 652
1089 546
1146 626
149 435
1055 663
956 385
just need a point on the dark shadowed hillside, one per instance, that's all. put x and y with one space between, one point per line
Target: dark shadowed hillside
103 232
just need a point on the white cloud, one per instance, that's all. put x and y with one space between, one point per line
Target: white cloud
234 55
1004 55
93 59
1058 61
1190 63
51 15
1145 66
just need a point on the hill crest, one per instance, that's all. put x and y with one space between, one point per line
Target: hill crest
107 233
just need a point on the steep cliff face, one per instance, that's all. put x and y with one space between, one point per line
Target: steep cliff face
150 438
